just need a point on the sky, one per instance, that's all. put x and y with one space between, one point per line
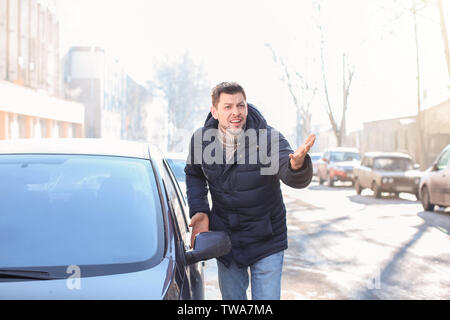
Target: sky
229 39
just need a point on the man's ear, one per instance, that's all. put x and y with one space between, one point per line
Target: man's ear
214 112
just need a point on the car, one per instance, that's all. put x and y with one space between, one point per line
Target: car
316 158
95 219
337 165
392 172
435 182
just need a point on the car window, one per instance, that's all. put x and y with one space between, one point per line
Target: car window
392 164
344 156
176 204
177 166
443 160
315 157
59 210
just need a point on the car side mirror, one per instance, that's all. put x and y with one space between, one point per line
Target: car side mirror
434 167
416 166
325 160
209 245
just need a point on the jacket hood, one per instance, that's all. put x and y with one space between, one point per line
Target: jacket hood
255 119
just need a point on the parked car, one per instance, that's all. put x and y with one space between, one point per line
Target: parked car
337 165
392 172
435 182
316 158
96 220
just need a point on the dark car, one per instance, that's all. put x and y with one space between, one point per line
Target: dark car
90 219
391 172
337 165
435 182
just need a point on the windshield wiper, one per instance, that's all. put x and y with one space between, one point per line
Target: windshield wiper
26 274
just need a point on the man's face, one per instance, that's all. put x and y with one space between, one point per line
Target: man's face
231 112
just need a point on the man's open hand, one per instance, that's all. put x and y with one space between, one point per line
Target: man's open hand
298 157
199 223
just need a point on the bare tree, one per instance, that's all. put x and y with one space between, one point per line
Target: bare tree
302 95
186 90
348 72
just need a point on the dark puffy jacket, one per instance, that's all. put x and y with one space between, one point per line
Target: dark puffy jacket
247 205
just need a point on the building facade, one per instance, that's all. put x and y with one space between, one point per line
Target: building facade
31 104
99 82
401 134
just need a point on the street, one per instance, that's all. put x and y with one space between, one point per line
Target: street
348 246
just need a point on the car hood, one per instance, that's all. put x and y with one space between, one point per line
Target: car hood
149 284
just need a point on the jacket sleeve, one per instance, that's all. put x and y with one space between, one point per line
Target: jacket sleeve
196 184
298 179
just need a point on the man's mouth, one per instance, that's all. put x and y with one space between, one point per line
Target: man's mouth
236 121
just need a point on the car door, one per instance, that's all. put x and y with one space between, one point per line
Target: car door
439 179
364 173
192 274
447 185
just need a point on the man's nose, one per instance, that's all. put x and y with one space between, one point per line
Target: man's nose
235 110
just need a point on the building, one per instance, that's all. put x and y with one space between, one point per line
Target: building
99 82
157 121
31 104
400 134
138 98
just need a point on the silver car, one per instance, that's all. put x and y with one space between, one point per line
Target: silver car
435 183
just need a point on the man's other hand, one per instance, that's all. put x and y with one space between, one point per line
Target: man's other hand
298 157
199 223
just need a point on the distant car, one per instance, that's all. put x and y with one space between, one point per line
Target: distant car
91 219
435 182
391 172
337 165
316 158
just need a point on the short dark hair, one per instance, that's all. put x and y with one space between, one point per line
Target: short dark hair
226 87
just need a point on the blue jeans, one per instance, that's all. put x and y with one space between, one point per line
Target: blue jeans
265 277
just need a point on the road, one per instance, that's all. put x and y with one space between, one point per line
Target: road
348 246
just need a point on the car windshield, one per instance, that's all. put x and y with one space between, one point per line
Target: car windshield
177 166
344 156
59 210
315 157
393 164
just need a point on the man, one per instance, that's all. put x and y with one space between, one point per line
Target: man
247 201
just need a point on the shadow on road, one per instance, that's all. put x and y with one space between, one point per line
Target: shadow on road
370 200
391 274
437 219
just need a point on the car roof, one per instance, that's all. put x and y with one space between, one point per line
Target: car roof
387 154
106 147
343 149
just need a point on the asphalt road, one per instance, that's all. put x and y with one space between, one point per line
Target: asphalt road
348 246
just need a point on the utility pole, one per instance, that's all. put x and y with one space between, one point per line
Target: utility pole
444 35
420 142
